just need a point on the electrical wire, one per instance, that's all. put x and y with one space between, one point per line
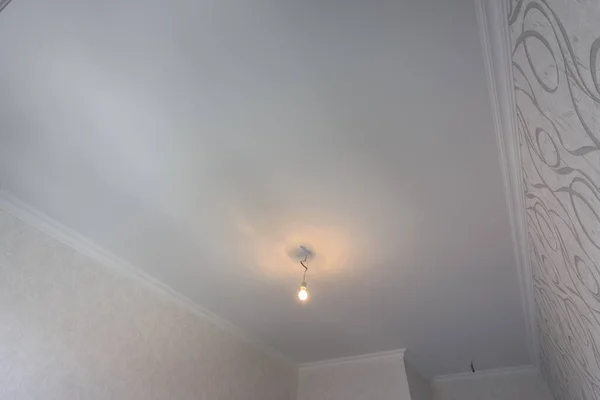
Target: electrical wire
305 267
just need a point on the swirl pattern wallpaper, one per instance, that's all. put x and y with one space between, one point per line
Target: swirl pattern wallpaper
555 47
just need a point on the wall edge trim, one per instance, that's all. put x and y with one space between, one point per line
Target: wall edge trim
490 373
495 40
350 359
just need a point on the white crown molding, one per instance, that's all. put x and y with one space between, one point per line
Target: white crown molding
83 245
351 359
495 39
490 373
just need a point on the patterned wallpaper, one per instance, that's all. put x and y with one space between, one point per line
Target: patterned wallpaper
71 329
4 3
556 71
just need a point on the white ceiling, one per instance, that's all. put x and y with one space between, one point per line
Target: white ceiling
202 140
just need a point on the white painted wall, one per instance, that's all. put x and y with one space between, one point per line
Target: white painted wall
420 388
70 328
510 384
373 377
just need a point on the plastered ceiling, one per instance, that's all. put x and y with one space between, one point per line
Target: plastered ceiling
202 140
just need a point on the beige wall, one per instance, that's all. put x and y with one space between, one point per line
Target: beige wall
70 328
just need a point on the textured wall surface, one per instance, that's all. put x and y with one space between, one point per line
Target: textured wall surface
70 329
555 64
372 378
518 384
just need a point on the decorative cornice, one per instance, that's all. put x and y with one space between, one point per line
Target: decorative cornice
83 245
490 373
495 39
351 359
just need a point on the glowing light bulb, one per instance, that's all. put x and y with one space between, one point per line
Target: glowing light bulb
303 293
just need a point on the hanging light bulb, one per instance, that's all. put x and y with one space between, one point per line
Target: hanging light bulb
303 293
